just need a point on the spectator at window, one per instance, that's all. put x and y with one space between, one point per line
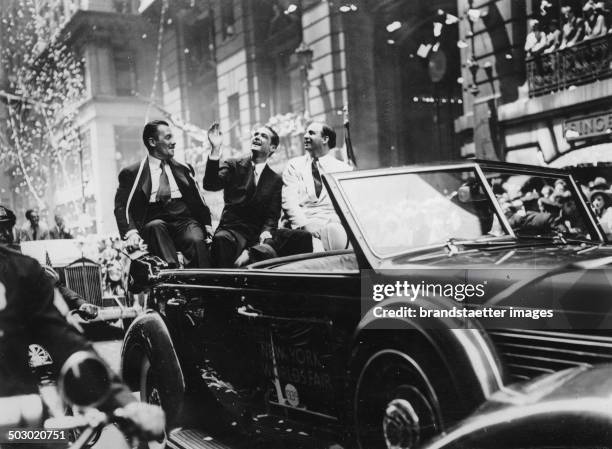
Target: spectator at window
547 191
553 37
595 23
573 28
536 39
599 183
601 203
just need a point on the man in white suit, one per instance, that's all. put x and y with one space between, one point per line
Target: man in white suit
306 202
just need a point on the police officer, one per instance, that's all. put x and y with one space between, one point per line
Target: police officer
27 314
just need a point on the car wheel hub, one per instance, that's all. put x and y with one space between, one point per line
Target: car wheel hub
153 397
401 425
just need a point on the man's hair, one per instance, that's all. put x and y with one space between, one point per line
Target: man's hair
328 132
150 130
29 213
274 141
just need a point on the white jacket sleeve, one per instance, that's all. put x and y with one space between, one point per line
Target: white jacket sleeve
291 196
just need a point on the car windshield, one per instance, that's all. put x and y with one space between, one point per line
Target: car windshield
400 212
538 205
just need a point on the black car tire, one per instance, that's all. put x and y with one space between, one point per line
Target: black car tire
158 386
126 323
397 387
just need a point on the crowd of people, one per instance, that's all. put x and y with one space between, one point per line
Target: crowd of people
547 206
33 229
578 24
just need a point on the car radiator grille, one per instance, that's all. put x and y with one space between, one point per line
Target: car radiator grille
528 353
86 280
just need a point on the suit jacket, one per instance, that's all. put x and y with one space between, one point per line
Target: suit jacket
56 233
248 209
26 233
132 197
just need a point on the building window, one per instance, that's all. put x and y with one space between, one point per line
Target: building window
233 106
199 40
128 145
125 73
227 19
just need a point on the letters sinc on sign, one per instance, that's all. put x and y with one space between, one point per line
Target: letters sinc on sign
588 126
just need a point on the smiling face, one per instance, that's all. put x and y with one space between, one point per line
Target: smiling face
162 147
34 218
598 202
261 144
314 141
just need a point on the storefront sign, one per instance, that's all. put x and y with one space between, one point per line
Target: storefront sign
581 128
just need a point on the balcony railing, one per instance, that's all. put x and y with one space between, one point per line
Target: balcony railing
580 64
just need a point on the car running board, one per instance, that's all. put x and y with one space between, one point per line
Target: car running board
197 439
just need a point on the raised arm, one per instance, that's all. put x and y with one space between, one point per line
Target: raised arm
217 174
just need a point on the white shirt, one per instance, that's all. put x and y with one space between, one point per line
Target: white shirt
300 201
258 169
155 169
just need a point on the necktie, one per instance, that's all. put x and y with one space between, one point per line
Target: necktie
163 192
316 176
34 233
255 177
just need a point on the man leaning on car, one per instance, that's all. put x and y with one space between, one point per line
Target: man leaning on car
158 201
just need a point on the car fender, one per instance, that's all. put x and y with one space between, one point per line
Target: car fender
150 333
462 345
528 414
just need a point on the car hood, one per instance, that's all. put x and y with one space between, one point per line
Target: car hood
572 280
514 256
59 253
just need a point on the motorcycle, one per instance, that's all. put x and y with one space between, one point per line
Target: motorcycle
83 384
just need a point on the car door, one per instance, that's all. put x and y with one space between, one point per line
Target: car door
301 325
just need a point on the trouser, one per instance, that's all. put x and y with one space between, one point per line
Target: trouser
227 244
186 235
332 236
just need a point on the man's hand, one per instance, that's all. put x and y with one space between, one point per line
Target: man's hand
313 228
148 421
88 311
215 137
133 241
264 236
243 259
208 234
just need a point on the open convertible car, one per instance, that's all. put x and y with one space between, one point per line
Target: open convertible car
300 347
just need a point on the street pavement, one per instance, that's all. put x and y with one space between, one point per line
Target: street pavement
107 340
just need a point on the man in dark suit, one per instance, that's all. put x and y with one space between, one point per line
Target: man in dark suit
158 201
251 191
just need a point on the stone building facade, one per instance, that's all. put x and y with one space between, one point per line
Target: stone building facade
551 108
